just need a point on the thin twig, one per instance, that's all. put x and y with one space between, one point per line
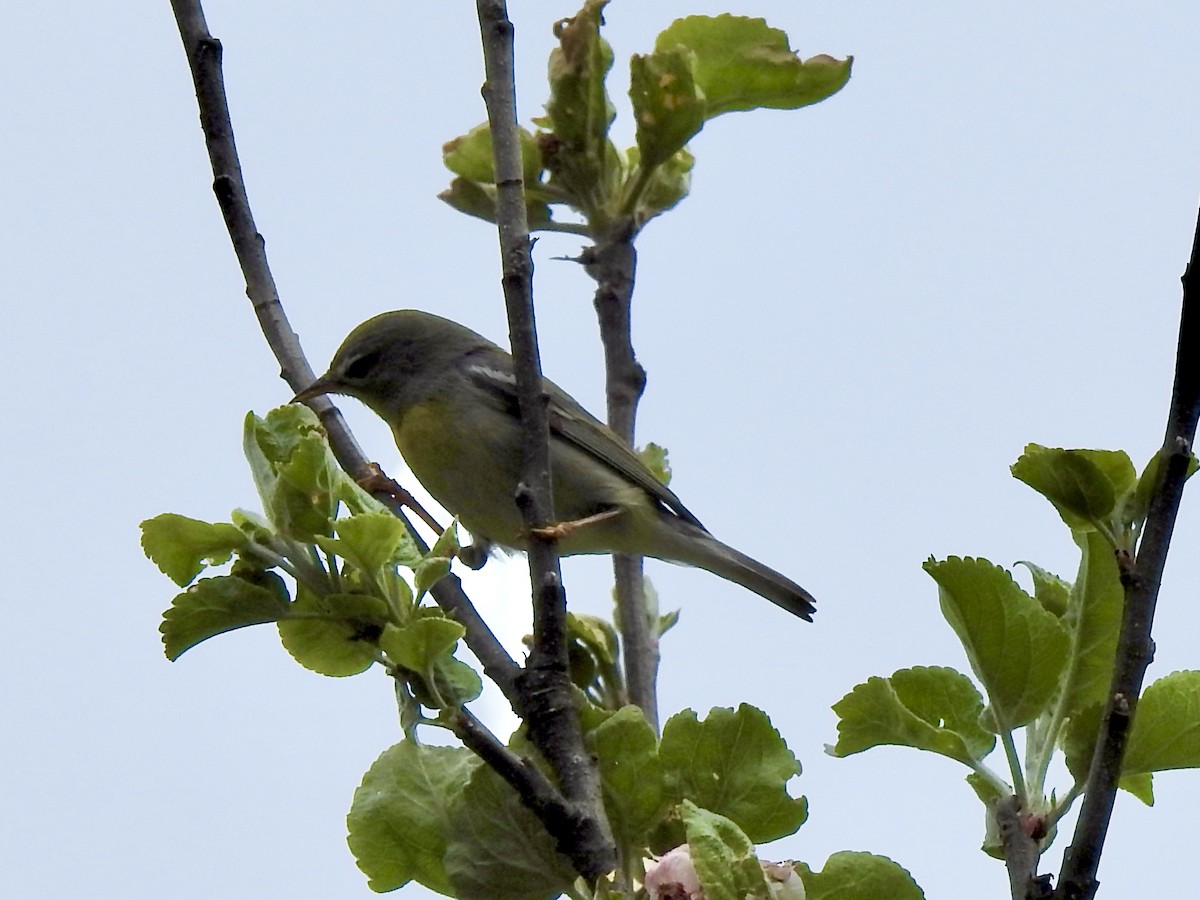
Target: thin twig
612 264
204 59
547 706
1142 578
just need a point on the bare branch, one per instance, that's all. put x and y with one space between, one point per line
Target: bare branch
1141 578
612 263
547 704
204 59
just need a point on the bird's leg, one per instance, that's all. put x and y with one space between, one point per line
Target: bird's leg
377 481
560 530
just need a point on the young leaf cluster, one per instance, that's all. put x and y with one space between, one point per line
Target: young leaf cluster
350 607
701 67
1044 661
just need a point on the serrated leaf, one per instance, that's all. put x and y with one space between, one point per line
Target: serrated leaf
1048 589
1015 647
182 548
1166 726
859 876
1077 482
496 848
741 63
372 542
734 764
419 644
723 856
626 752
334 635
1093 620
400 818
668 108
934 709
213 606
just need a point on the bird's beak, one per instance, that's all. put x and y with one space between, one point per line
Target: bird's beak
323 385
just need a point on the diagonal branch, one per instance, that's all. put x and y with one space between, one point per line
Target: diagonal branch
547 702
204 60
1141 578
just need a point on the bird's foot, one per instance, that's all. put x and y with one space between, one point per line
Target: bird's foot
562 530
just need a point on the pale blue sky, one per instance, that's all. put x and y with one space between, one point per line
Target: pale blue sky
852 327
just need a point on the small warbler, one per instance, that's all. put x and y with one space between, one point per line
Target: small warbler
449 396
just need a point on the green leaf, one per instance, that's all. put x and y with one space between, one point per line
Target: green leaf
593 648
334 635
668 108
1051 591
372 542
859 876
417 645
656 459
741 63
470 156
435 565
582 161
1166 726
668 183
1016 648
985 789
213 606
457 683
723 856
473 199
400 818
1093 620
496 848
1079 740
734 764
1141 786
296 476
183 547
934 709
631 775
597 635
1083 485
1139 505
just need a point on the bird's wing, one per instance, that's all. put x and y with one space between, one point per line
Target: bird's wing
572 423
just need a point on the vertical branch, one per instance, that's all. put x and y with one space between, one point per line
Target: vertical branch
612 263
547 706
204 60
1141 578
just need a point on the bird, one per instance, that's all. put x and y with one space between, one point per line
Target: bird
449 396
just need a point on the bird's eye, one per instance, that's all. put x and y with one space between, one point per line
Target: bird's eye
362 366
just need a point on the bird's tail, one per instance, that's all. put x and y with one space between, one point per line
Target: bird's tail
696 547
